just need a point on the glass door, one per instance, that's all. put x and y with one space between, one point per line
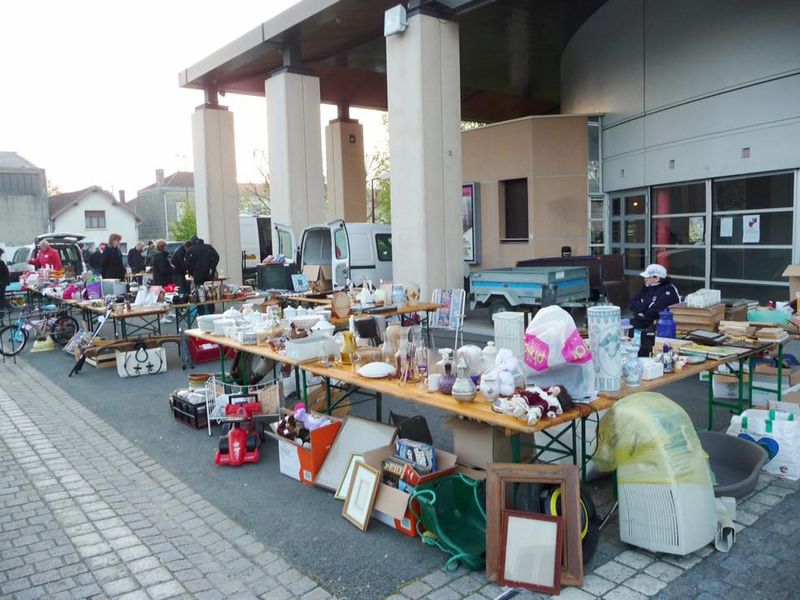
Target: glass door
630 235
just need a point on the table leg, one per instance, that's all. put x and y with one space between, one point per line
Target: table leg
378 407
710 400
297 380
327 393
780 374
122 326
574 443
740 377
584 458
516 453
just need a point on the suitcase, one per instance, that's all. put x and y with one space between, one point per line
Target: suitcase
203 351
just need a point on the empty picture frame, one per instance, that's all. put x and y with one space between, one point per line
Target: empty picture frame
361 495
498 475
356 435
344 484
530 551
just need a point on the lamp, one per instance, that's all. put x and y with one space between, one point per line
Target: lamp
381 177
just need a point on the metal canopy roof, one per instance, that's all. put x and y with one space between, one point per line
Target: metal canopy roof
510 53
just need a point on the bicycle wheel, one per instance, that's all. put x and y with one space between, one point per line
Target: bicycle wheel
12 340
63 329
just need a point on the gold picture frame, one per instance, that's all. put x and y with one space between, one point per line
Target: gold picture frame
347 476
361 495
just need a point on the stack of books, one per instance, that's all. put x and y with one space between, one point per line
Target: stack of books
772 334
737 329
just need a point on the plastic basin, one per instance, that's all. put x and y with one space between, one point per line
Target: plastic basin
735 462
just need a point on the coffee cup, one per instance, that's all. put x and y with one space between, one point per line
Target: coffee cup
433 382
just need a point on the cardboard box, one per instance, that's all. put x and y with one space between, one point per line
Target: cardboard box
320 277
727 386
301 463
391 505
478 444
793 273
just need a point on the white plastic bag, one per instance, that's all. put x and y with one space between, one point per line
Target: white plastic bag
557 355
778 433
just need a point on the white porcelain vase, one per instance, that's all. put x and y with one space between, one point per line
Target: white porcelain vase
604 339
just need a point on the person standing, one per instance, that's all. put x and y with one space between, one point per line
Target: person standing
657 294
96 259
47 257
112 266
148 254
201 261
135 259
179 263
162 269
5 279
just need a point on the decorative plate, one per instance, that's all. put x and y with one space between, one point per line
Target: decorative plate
376 370
694 359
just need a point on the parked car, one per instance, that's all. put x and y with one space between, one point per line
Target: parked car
65 243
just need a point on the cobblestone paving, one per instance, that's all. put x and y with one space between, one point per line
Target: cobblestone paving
86 514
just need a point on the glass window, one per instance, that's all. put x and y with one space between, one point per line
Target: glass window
678 230
383 242
514 199
616 227
760 264
686 262
22 255
634 259
687 286
752 291
775 229
596 207
594 155
95 219
597 232
340 243
679 199
615 207
635 231
596 251
754 193
285 244
635 205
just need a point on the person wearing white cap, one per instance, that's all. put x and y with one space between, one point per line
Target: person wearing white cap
657 293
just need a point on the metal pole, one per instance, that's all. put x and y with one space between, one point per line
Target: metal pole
166 222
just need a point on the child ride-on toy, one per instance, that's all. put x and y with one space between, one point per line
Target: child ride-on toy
241 444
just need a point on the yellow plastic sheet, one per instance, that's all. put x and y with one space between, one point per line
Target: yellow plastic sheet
648 438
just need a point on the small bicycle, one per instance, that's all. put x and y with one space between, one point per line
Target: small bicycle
53 321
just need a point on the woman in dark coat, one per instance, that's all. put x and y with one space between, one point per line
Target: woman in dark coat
162 268
112 266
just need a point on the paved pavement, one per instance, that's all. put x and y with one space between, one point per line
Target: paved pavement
86 513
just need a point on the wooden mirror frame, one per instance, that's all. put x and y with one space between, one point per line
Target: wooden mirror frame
568 477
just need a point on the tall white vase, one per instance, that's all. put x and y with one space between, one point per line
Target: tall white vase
605 345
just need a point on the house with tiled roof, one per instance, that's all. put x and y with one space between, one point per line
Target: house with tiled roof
94 213
162 202
23 200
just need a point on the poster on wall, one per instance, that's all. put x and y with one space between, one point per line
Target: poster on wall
696 229
751 229
471 222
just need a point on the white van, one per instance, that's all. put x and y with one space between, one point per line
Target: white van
256 240
352 251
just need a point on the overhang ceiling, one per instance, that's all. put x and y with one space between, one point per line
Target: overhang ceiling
510 53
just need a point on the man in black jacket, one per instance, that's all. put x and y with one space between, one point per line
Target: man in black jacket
96 259
179 262
657 293
201 261
135 258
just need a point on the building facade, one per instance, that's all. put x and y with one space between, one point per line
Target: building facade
161 202
94 213
23 200
700 105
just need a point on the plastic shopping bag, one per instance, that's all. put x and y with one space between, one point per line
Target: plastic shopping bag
778 433
556 354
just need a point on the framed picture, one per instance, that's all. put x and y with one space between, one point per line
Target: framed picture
498 478
530 551
471 222
347 477
361 495
300 282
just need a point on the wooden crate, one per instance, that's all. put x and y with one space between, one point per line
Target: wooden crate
103 361
687 319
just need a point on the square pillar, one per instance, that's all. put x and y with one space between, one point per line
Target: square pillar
295 150
344 154
216 194
424 93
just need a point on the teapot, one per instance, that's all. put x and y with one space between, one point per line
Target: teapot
488 388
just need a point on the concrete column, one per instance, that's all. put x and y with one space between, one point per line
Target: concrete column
216 194
344 156
423 81
295 150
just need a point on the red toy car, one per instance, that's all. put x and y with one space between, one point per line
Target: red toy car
242 442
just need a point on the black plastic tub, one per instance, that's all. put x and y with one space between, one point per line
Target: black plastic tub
735 462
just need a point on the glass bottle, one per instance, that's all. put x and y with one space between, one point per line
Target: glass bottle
448 378
348 348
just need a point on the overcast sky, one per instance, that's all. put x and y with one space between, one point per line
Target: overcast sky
89 88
